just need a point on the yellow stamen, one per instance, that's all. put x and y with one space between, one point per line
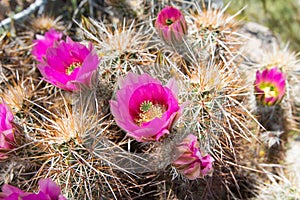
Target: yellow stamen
149 111
269 92
72 67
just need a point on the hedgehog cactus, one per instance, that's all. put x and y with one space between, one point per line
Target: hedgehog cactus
270 89
214 31
120 128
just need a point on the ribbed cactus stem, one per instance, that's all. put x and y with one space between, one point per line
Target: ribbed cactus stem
273 120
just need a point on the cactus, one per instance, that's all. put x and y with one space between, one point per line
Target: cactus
225 138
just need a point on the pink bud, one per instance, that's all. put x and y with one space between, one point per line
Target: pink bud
171 25
190 161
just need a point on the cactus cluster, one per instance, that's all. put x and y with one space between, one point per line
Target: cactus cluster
164 105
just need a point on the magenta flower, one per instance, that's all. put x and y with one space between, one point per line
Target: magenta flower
190 161
48 191
44 42
11 193
171 25
6 128
269 86
145 108
68 64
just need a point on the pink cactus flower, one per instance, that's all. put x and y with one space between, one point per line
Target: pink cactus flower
11 193
190 161
171 25
145 108
49 188
44 42
69 64
48 191
269 86
6 128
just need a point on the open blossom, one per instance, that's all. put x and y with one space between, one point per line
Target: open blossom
68 64
6 128
190 161
171 25
269 86
48 191
144 107
44 42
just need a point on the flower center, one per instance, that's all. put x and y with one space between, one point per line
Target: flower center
169 22
72 67
148 111
270 91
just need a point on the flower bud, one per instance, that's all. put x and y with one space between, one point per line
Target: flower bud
171 25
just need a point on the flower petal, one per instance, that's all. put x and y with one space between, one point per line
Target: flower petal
49 187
